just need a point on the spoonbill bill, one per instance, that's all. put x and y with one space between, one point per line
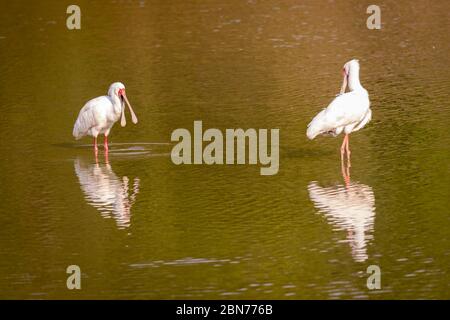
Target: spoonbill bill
99 115
348 112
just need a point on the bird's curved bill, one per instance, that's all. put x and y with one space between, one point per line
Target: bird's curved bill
344 83
133 115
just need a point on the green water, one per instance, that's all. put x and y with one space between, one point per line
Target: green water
141 227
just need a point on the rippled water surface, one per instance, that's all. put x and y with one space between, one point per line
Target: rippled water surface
140 227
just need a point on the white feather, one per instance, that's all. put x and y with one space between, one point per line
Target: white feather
91 116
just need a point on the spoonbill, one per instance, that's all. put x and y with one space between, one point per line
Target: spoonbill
99 115
348 112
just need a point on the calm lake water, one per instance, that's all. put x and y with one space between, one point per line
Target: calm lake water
140 227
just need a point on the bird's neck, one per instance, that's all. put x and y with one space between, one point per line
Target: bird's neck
117 103
353 81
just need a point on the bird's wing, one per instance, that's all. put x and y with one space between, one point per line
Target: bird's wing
364 121
89 116
345 109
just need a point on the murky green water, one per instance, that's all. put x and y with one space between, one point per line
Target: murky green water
141 227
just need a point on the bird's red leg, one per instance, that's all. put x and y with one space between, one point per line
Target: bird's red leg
106 143
345 173
343 146
95 145
95 150
347 149
106 149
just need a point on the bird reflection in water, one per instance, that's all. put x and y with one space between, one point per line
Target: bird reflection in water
104 190
349 207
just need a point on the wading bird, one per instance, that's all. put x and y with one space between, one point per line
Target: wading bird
99 115
348 112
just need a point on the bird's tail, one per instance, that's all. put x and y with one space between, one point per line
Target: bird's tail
315 127
76 132
82 125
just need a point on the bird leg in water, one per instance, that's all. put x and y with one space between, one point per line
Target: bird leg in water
345 173
106 144
95 146
345 148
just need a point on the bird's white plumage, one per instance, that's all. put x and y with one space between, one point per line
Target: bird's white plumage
97 117
348 112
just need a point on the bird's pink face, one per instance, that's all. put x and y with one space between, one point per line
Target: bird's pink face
345 74
345 71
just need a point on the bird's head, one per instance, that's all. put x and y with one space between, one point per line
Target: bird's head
117 89
349 68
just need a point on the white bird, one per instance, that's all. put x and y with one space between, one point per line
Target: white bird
99 115
348 112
